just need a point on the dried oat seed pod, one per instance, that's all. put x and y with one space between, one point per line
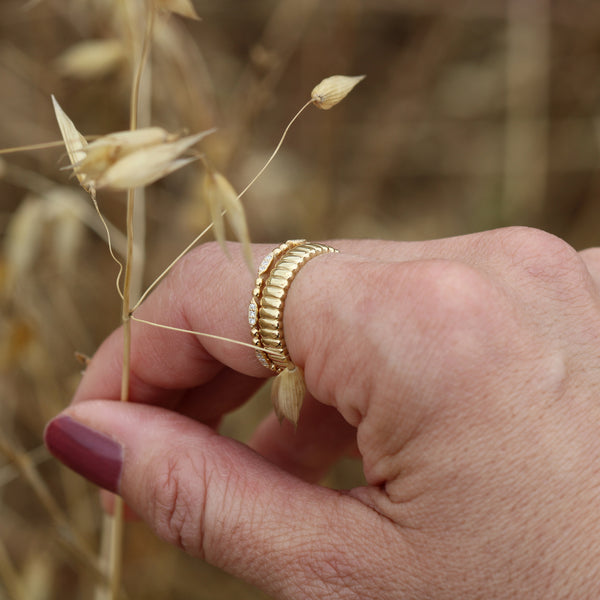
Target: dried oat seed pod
91 59
146 165
124 159
74 141
222 197
184 8
287 394
333 90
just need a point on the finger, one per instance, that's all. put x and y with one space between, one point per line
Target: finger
325 323
591 257
309 451
225 392
220 501
328 322
207 293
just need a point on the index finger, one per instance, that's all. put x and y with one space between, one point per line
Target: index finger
208 292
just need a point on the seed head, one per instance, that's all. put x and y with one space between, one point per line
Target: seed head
287 394
184 8
104 152
222 198
74 141
124 159
333 89
22 240
146 163
91 59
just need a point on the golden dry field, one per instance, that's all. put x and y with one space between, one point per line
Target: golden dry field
474 114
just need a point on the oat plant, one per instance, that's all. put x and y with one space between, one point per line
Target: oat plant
128 161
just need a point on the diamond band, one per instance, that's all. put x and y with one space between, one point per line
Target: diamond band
265 316
253 308
252 313
274 293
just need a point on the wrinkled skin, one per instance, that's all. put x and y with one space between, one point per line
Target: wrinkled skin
464 371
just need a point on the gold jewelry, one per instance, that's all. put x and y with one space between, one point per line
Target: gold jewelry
272 300
263 271
265 315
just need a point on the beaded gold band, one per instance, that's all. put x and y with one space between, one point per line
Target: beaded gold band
265 315
270 313
263 272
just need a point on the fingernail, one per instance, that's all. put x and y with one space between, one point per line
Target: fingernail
92 454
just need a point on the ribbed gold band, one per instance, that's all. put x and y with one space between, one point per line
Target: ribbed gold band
275 275
263 272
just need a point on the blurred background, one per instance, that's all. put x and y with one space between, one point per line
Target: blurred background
473 115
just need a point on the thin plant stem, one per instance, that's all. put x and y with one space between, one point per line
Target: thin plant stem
143 112
69 537
116 549
137 79
209 227
202 334
9 473
176 260
32 147
116 545
10 576
41 146
109 243
285 131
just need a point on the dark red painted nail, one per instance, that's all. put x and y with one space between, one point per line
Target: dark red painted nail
92 454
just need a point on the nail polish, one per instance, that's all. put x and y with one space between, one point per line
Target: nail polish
94 455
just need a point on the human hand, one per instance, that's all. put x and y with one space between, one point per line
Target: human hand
465 371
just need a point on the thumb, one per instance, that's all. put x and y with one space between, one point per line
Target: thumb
220 501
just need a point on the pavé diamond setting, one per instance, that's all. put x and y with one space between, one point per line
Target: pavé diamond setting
264 265
252 313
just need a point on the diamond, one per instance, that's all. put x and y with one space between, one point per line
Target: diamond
252 312
262 359
264 265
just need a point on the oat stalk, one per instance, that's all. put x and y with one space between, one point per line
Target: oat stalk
285 131
115 547
9 575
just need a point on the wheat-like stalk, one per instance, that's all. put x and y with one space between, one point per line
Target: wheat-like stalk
115 547
130 160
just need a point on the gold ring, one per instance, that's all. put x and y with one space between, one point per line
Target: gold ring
263 272
272 300
265 315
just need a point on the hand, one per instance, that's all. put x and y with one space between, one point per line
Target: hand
465 370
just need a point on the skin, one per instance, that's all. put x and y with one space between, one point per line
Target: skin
464 371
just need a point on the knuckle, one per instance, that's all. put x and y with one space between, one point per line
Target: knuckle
455 296
176 510
460 318
543 257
